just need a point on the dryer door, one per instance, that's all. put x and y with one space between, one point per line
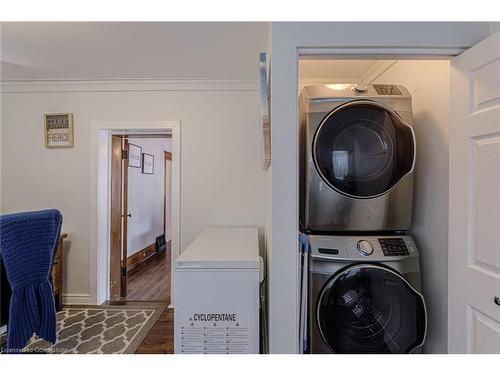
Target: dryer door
367 308
362 149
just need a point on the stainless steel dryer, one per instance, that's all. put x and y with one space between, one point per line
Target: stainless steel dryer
364 295
357 156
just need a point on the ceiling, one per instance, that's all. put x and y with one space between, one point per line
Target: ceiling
131 50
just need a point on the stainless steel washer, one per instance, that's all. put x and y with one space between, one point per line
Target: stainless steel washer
357 157
365 295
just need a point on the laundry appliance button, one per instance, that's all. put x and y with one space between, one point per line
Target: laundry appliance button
360 89
365 247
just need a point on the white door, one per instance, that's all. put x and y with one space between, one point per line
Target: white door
474 243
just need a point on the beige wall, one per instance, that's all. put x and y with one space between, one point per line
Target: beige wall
221 178
428 83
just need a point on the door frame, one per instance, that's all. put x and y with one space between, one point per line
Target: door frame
284 225
100 191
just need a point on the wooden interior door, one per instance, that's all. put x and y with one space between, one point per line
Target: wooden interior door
125 217
167 193
116 218
119 218
474 233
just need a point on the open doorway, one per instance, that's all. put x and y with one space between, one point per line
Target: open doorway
141 218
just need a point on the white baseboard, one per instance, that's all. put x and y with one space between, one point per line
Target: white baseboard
77 299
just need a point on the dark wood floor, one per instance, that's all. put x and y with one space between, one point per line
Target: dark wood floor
160 340
150 281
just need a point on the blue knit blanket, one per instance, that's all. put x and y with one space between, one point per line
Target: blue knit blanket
27 243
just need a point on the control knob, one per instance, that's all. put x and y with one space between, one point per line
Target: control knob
365 247
360 89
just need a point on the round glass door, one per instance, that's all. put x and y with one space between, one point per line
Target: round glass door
362 149
371 309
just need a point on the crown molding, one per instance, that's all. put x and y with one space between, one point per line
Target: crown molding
121 85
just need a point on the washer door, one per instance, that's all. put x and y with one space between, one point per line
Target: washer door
368 308
362 149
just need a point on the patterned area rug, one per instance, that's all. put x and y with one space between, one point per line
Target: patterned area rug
100 329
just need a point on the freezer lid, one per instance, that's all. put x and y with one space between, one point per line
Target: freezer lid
221 248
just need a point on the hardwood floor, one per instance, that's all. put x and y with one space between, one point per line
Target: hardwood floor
160 340
150 281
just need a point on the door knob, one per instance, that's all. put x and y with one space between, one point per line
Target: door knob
497 300
129 215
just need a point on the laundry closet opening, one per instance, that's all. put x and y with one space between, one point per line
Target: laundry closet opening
367 185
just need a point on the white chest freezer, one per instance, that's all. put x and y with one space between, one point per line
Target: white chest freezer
216 293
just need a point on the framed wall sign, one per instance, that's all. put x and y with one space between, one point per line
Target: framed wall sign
58 130
148 163
134 156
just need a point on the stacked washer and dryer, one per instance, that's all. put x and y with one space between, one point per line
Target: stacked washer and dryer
357 159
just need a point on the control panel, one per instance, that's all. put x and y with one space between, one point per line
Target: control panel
393 246
363 248
387 90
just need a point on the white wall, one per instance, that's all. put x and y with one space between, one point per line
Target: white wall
286 39
146 196
429 85
221 178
